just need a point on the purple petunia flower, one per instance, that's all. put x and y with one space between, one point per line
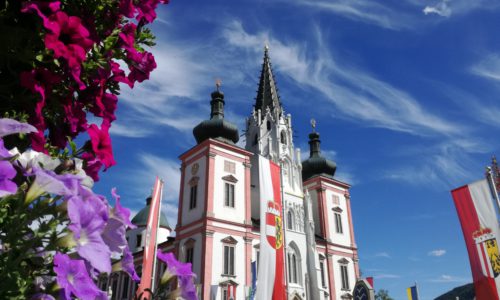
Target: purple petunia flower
42 296
183 272
73 278
119 212
126 264
52 183
87 225
7 172
10 126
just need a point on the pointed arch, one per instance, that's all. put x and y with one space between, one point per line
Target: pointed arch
294 264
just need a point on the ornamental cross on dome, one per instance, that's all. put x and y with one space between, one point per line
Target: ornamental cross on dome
218 83
313 124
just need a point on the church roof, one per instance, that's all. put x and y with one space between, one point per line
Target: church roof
316 164
267 93
216 127
141 218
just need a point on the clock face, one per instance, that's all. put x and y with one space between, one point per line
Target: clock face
194 169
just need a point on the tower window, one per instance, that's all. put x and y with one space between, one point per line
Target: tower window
290 220
338 223
322 270
138 240
190 255
256 139
268 125
125 286
229 194
228 260
345 277
192 196
283 137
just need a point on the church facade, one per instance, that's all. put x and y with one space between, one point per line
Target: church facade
218 225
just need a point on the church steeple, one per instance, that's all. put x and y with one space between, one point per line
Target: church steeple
267 94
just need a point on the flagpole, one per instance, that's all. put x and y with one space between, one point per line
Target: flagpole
491 184
156 239
416 290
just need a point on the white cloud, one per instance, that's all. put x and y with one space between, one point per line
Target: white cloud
441 9
437 252
386 276
382 254
128 131
449 278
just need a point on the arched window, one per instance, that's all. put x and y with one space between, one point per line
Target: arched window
294 265
283 137
268 125
290 220
256 139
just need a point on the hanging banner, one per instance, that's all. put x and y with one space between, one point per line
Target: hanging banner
271 280
477 214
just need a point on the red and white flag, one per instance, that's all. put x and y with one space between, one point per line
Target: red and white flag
477 214
149 256
271 280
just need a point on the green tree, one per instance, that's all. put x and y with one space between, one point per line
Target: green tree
383 295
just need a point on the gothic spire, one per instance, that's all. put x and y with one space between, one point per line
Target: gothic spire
267 94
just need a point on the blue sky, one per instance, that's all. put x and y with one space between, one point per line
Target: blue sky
405 94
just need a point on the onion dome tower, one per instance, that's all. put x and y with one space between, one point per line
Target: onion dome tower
316 164
217 127
141 218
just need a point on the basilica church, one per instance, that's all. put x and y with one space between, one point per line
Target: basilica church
218 224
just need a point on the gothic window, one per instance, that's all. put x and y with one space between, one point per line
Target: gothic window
293 263
290 220
283 137
192 196
268 125
322 270
229 194
338 222
256 139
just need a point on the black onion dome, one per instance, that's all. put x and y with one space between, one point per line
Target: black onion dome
216 127
316 164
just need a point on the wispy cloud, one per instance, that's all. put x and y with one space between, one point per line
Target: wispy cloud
386 276
440 8
353 93
369 12
382 254
437 252
489 68
449 278
128 131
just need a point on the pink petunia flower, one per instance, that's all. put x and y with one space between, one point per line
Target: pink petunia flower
68 38
42 8
101 144
142 65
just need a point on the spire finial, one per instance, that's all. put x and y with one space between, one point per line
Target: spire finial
266 47
218 83
313 125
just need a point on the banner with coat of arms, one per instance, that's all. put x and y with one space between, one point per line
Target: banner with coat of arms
271 280
477 214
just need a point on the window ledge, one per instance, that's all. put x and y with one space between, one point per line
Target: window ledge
228 275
